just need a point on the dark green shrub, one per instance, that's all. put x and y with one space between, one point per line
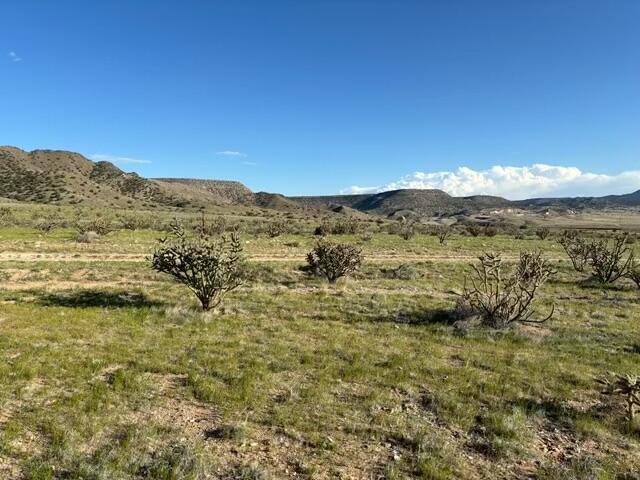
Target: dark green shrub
209 267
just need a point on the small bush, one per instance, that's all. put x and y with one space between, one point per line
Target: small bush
345 227
277 228
500 297
367 236
334 260
404 271
6 217
217 226
578 251
44 225
135 222
407 230
543 233
443 232
209 267
626 386
474 230
633 273
322 230
99 225
87 237
610 260
490 231
348 226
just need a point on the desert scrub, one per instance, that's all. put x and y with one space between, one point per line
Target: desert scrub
502 297
576 248
209 267
634 273
625 386
334 260
610 260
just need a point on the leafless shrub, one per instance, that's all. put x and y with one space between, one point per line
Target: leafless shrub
210 267
45 225
633 273
610 260
210 227
543 233
626 386
577 249
443 232
334 260
501 298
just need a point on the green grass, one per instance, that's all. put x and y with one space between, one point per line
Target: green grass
109 370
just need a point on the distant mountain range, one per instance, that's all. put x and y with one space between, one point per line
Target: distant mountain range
68 178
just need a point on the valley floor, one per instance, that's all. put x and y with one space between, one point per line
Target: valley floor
109 370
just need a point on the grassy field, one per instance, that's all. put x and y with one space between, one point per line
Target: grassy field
110 371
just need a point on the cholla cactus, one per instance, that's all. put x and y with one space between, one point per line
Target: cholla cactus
334 260
634 273
609 262
502 297
627 386
577 249
209 267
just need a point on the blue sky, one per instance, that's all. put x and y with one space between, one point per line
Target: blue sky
318 96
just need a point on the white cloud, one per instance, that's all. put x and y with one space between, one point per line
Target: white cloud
516 183
105 157
14 57
251 164
231 153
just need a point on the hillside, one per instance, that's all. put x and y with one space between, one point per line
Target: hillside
68 178
409 202
608 201
219 192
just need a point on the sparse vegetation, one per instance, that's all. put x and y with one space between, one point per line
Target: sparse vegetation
99 225
113 374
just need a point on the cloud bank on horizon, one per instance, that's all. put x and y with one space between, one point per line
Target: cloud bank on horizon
106 157
515 183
